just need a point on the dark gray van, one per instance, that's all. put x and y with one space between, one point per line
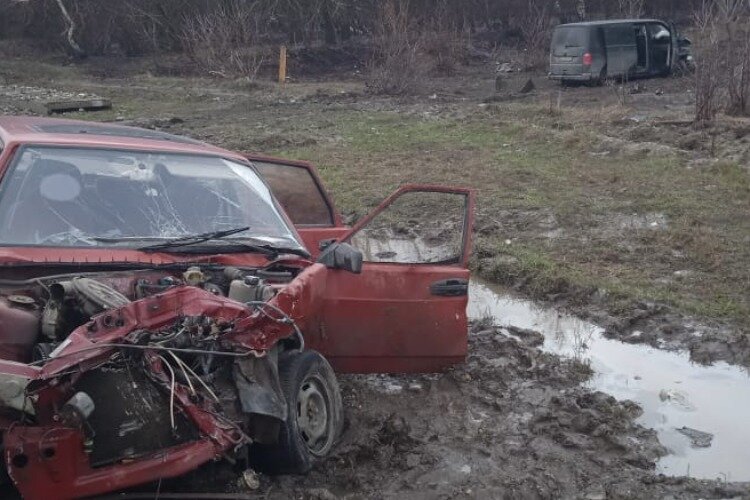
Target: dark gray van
596 50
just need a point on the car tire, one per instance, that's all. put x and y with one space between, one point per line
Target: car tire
315 416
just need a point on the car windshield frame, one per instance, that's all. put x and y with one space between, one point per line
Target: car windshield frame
290 239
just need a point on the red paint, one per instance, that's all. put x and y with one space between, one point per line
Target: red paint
19 326
385 320
67 473
312 236
382 320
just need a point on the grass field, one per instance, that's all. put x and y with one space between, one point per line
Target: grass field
575 201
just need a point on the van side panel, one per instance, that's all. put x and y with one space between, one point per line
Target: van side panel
622 54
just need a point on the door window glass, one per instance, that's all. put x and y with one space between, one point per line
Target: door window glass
418 227
297 191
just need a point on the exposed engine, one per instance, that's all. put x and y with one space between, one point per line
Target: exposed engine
115 367
36 315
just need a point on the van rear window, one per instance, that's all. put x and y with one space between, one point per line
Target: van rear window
569 37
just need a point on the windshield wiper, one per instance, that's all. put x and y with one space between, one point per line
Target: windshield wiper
190 239
194 239
187 244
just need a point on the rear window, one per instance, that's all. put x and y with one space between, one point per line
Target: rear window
570 37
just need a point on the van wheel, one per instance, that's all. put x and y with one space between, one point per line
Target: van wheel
314 420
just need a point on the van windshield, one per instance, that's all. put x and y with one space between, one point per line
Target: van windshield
565 37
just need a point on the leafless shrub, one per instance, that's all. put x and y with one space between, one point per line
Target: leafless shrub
223 41
397 65
708 56
135 27
445 40
722 52
620 89
732 17
445 49
534 25
739 88
631 8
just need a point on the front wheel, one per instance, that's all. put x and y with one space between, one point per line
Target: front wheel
314 420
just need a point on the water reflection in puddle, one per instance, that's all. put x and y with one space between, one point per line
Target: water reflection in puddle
673 392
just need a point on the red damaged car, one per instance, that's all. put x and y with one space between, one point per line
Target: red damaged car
164 303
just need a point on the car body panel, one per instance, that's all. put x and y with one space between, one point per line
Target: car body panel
387 319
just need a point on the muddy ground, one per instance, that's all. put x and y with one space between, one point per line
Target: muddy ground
604 201
513 422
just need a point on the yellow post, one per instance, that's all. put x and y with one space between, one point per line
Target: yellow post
282 65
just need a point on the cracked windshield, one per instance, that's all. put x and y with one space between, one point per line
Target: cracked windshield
81 197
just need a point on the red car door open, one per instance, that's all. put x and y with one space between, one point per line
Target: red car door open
406 311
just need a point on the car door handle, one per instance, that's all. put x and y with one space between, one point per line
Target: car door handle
452 287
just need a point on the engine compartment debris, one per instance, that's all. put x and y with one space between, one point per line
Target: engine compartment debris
137 364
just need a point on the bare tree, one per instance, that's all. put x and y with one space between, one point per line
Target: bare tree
224 41
581 8
707 72
631 8
731 16
70 31
534 27
397 65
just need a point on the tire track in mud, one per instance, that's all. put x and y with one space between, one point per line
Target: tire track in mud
512 422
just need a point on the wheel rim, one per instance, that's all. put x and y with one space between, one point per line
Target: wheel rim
314 415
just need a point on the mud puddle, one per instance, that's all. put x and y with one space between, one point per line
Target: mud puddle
699 412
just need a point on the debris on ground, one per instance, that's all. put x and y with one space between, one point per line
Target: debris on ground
25 99
529 337
78 105
698 439
527 87
513 422
250 480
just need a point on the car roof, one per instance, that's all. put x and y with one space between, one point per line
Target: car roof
57 131
609 21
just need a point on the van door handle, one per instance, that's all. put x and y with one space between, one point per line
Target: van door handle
452 287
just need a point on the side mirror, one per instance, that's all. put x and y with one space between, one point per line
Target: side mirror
342 256
323 244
